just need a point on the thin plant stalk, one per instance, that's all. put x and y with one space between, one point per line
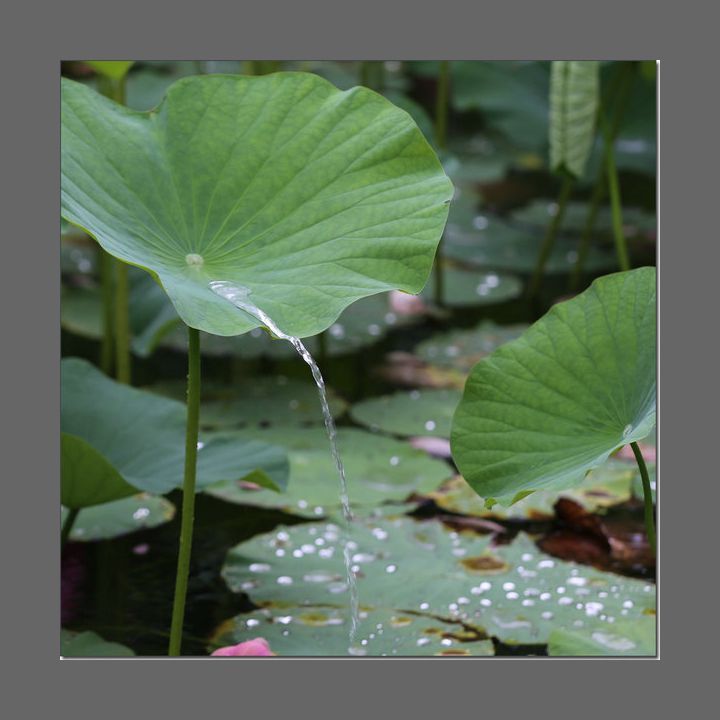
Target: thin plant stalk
615 201
551 235
188 503
116 90
68 526
107 291
619 89
372 75
647 495
442 99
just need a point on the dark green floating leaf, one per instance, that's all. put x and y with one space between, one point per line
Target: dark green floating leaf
579 384
110 520
636 638
462 349
89 644
463 288
323 631
514 592
141 436
379 469
418 412
260 402
309 197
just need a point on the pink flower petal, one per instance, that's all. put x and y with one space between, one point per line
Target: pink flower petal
258 648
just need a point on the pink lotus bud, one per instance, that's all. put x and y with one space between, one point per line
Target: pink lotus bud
258 648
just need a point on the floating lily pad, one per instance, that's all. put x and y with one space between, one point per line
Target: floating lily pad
141 436
544 409
539 213
637 638
364 323
605 486
378 469
462 349
89 644
463 288
265 401
484 240
418 412
324 631
308 197
514 592
110 520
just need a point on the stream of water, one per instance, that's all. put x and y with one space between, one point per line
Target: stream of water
239 297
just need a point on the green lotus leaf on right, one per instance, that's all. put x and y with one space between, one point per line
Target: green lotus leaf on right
545 409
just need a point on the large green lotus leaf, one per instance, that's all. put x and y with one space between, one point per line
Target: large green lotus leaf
637 638
462 349
574 99
142 436
418 412
309 197
115 69
608 485
87 477
363 324
379 470
259 402
463 288
324 631
477 238
90 644
544 409
120 517
514 592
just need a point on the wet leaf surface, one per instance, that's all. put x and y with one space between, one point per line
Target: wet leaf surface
464 288
379 469
514 592
418 412
113 519
623 639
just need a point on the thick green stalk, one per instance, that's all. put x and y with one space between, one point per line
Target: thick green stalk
647 494
550 236
597 197
188 503
67 526
107 291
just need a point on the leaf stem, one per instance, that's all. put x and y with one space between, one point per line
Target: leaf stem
188 503
68 525
107 290
550 235
122 324
647 494
442 98
615 201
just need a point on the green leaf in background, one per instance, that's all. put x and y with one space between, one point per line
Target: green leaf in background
612 483
142 437
114 69
112 519
513 592
89 644
578 384
637 638
265 401
418 412
88 478
574 98
379 470
309 631
309 197
465 288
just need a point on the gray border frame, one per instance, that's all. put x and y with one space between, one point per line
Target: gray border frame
38 37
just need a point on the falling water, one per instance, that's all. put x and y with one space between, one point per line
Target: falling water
238 296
